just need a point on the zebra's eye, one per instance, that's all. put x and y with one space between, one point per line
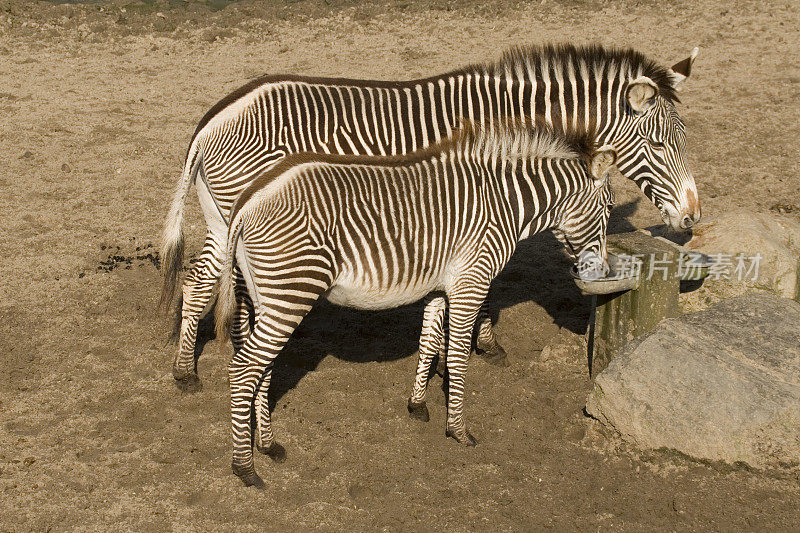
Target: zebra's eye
655 144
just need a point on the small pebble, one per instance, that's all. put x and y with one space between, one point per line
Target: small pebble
66 168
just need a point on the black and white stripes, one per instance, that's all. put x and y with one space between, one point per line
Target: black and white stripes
626 98
376 232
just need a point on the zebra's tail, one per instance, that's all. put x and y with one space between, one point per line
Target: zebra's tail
226 297
172 239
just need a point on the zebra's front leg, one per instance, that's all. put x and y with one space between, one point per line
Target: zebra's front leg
431 341
486 342
197 292
463 305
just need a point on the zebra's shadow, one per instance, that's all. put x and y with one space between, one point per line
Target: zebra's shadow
539 272
619 221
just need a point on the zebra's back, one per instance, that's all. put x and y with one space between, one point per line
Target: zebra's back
393 233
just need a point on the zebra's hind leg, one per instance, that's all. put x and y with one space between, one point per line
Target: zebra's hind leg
240 325
250 370
486 341
431 341
240 331
264 438
197 292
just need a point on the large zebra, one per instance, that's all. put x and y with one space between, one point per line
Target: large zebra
379 232
627 98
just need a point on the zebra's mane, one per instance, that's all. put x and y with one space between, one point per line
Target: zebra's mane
524 61
523 140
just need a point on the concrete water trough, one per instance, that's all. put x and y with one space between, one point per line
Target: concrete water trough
640 290
617 279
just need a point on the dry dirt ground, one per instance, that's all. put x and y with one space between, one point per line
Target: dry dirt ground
97 103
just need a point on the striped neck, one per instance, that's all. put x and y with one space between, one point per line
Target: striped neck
536 190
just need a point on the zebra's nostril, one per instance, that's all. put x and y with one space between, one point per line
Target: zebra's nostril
687 222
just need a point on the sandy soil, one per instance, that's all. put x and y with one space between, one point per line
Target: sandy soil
97 103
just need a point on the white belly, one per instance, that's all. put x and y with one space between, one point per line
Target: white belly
351 293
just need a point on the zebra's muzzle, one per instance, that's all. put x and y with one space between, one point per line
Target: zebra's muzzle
676 220
687 222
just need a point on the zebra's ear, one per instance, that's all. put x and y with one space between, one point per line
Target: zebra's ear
642 93
681 70
603 159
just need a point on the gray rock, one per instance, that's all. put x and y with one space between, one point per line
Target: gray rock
776 239
720 384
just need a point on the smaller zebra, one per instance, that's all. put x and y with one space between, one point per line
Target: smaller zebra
380 232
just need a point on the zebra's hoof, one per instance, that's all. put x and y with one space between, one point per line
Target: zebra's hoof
248 476
418 411
494 355
462 437
274 451
187 382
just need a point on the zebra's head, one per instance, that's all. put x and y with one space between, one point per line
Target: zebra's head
651 145
584 220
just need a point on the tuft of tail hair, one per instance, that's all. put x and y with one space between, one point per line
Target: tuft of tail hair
177 321
226 296
172 240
